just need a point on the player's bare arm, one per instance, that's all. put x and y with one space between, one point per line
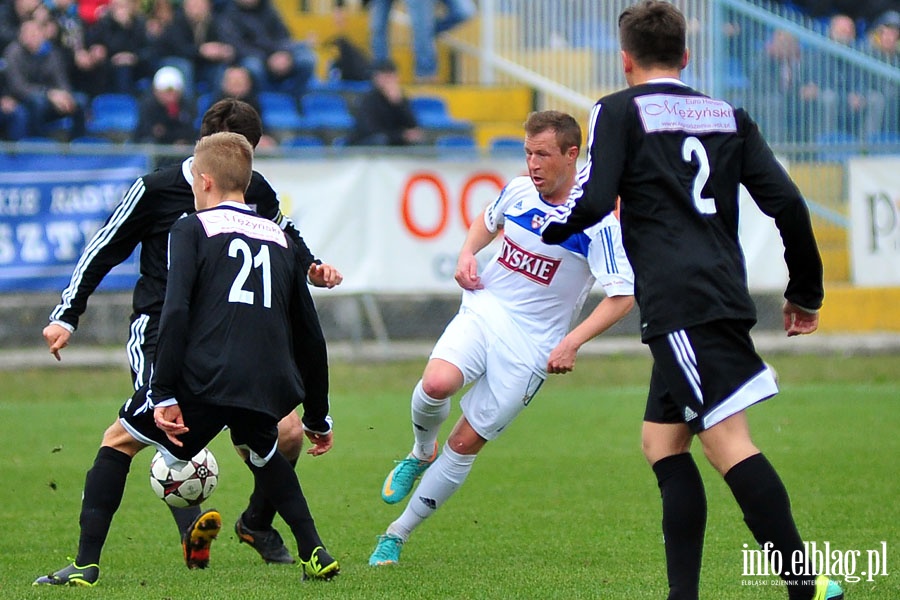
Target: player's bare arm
798 321
607 313
324 275
467 264
57 338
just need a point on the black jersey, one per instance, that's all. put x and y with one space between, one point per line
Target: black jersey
225 335
676 158
144 216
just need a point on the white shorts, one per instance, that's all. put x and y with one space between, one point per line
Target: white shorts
503 384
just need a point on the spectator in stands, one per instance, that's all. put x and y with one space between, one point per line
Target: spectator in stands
884 38
12 14
775 83
237 83
84 65
158 14
121 38
264 46
165 116
36 75
384 116
198 42
13 116
425 25
840 94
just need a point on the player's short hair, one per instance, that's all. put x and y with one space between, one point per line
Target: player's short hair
568 132
231 114
653 33
227 158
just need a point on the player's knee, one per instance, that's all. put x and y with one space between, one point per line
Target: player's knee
118 438
290 436
437 388
655 449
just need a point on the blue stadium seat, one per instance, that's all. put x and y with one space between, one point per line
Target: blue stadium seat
507 147
279 111
339 86
456 146
325 110
431 113
113 115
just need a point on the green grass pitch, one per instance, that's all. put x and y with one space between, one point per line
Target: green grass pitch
561 506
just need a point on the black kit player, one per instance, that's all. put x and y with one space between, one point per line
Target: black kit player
148 210
228 265
676 158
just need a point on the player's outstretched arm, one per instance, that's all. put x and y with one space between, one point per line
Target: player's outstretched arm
57 338
798 321
324 275
607 313
478 237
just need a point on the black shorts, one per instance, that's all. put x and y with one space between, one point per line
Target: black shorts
705 374
143 334
250 429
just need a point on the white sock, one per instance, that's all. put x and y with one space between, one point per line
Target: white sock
438 483
428 414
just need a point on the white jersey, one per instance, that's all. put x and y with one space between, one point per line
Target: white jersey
534 291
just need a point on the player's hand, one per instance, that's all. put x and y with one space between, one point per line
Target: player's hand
467 272
562 358
324 275
321 442
798 321
170 420
57 338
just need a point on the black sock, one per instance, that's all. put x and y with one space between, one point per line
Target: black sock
260 512
278 481
103 489
185 517
767 512
683 522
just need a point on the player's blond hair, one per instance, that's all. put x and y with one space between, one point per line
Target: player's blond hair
227 158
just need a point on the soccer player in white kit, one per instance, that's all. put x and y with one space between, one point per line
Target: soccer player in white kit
513 325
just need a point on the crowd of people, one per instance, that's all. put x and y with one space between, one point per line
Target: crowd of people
802 94
59 54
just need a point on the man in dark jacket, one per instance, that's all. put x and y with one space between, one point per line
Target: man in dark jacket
265 47
384 116
121 37
36 76
198 42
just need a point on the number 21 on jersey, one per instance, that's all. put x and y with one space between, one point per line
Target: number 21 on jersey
260 261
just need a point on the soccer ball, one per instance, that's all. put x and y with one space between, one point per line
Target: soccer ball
186 483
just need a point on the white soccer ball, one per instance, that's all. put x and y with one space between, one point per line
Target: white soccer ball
186 483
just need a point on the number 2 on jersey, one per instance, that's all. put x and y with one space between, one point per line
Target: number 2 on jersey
693 148
238 293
